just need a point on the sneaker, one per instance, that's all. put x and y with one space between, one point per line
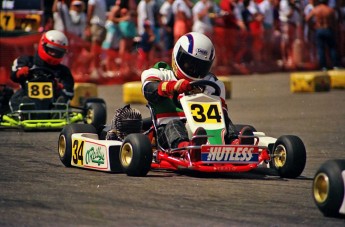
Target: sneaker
199 137
247 132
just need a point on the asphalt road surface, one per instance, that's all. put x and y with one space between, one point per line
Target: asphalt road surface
37 190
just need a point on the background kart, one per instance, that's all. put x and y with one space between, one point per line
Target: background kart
329 188
138 153
42 110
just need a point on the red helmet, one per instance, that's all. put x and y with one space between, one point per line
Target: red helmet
52 47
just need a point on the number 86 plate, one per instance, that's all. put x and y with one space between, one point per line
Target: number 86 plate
40 90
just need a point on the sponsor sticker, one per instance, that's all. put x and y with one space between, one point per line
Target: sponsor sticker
94 156
89 155
230 154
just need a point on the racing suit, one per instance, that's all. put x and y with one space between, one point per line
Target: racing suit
62 75
171 130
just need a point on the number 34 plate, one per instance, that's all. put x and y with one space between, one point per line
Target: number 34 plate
40 90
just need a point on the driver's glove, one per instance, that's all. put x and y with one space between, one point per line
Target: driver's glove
22 72
167 88
59 85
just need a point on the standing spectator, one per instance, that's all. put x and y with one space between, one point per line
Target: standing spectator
256 30
342 31
145 46
148 10
309 30
325 30
232 15
78 18
111 42
288 29
310 24
47 20
61 15
128 4
95 31
128 32
167 20
235 36
69 19
266 7
183 17
201 20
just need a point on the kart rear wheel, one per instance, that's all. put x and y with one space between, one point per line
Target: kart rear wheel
136 155
98 100
65 140
289 156
96 114
328 187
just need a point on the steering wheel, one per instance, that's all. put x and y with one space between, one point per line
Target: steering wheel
198 84
204 83
41 71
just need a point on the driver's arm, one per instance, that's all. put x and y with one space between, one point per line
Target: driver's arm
150 91
68 82
157 86
19 63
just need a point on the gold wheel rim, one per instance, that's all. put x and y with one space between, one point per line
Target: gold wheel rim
279 156
62 145
321 187
89 116
126 154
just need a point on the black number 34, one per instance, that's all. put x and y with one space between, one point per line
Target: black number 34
201 115
77 151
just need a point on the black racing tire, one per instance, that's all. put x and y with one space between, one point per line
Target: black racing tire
289 156
96 114
65 140
136 155
98 100
328 187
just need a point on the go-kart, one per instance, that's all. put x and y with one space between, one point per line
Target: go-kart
329 188
41 108
136 153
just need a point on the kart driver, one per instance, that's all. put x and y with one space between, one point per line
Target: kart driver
52 47
192 58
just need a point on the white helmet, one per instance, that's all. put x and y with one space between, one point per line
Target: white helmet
52 47
192 56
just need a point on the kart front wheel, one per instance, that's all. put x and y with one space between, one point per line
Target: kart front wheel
328 187
136 155
65 140
289 156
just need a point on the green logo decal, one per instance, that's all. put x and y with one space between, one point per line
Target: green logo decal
94 156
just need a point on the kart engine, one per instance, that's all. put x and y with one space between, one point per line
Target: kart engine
126 120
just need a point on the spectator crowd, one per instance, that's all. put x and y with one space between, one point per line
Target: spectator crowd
249 35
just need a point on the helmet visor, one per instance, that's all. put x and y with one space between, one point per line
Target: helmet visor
54 51
192 66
